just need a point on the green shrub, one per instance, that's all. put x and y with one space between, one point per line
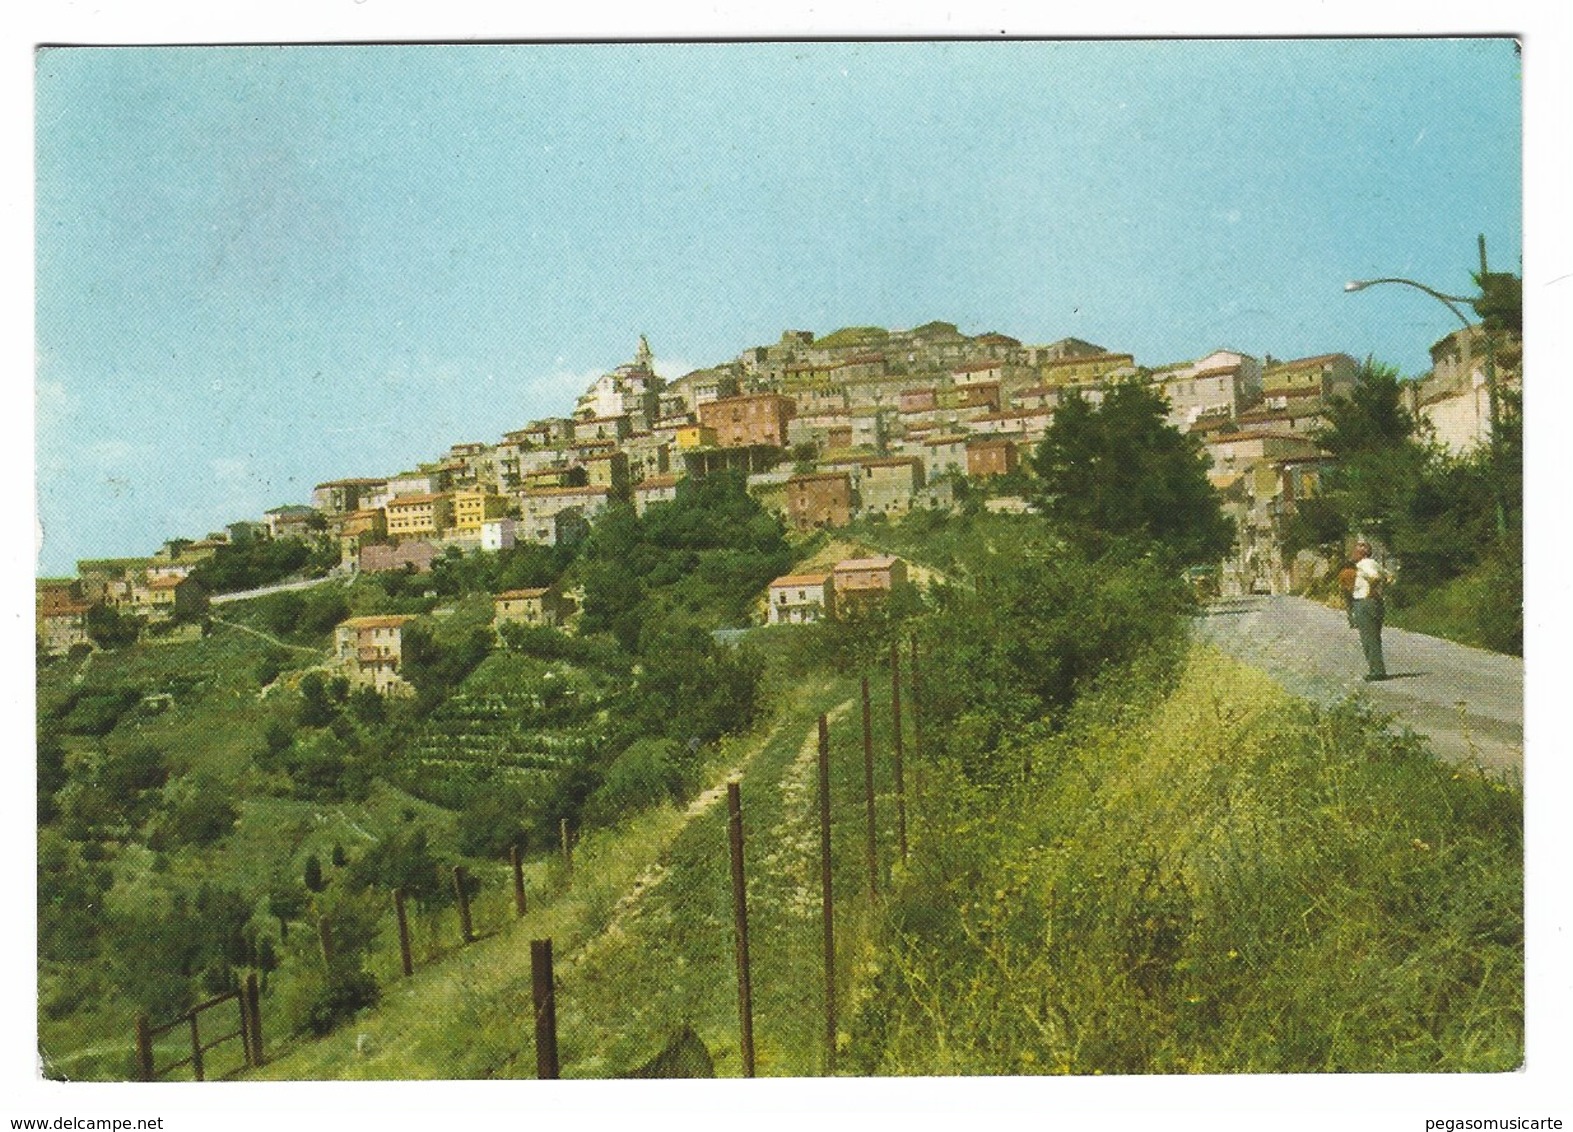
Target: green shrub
648 773
96 711
193 813
268 669
401 860
1028 628
495 821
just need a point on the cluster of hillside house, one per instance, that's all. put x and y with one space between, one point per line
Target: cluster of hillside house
862 422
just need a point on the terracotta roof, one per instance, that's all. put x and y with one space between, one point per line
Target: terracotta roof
1084 359
1260 416
401 500
949 438
748 397
535 492
806 476
1011 415
990 442
507 595
976 367
1313 392
1301 363
351 483
1229 437
164 582
71 609
652 483
892 462
883 562
378 621
800 580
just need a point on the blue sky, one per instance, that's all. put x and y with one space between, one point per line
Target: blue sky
260 268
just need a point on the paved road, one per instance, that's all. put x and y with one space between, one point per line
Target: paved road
283 587
1469 702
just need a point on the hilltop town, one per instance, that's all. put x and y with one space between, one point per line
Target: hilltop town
512 685
826 430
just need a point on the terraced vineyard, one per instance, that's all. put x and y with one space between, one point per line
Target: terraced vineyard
517 718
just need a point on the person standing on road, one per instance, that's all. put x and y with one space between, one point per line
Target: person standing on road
1366 608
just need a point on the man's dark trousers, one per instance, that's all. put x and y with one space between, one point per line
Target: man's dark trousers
1368 619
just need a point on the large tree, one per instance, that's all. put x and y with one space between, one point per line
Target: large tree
1119 473
1379 456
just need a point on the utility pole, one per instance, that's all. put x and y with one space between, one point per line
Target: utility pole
1491 396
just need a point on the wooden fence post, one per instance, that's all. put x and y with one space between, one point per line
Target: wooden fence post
462 896
895 724
404 932
196 1046
244 1002
545 996
325 938
917 733
518 880
827 910
871 848
144 1049
745 993
254 1004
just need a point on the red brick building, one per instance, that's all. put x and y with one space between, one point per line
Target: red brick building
756 418
410 555
867 579
991 458
818 500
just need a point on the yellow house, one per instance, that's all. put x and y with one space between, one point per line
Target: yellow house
473 506
370 652
528 607
419 516
608 470
1086 368
695 436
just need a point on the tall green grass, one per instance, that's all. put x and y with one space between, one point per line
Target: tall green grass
1205 875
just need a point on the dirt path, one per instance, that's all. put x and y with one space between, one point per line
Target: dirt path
1468 702
282 587
269 637
649 880
625 878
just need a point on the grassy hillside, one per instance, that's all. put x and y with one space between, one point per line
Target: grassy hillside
642 939
1126 856
1206 876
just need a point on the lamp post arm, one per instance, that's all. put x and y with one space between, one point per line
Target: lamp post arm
1450 301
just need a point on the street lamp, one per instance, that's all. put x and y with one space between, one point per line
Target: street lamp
1451 303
